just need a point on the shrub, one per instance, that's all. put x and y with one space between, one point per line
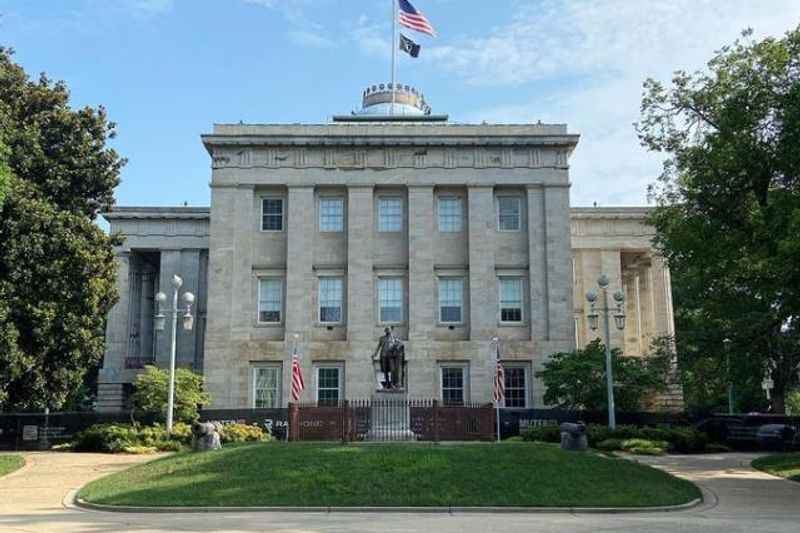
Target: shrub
243 433
139 450
609 445
182 432
547 433
108 438
629 444
151 390
688 440
646 451
116 438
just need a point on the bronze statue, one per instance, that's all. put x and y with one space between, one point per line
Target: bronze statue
392 358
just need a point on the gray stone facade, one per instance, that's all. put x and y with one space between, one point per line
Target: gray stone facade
537 259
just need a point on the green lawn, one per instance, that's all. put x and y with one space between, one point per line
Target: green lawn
9 463
783 464
523 474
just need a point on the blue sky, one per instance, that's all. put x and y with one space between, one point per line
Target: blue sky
168 69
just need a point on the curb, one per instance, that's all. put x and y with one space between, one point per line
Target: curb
82 504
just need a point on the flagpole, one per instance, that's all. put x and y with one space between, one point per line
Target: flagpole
394 52
497 400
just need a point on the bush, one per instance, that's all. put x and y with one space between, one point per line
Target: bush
139 450
106 438
116 438
678 439
547 433
182 432
243 433
629 444
609 445
151 391
646 451
688 440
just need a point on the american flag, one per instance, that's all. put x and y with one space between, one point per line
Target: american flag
499 392
297 378
410 17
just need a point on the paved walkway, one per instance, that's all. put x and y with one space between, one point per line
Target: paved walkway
738 499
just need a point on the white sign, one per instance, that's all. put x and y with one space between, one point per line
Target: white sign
30 432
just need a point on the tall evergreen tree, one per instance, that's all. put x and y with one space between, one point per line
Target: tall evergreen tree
728 207
57 274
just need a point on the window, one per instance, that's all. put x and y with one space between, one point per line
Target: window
331 214
272 214
516 386
451 296
330 300
390 214
509 210
511 299
269 300
266 386
390 299
454 388
329 385
450 215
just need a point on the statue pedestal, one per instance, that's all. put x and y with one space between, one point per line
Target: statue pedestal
390 417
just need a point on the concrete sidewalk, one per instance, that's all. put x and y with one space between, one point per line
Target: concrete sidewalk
738 499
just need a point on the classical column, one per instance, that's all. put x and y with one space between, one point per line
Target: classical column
611 266
537 265
189 270
300 316
118 320
561 325
482 276
421 286
170 266
360 287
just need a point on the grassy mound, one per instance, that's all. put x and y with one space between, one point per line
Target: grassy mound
9 463
783 465
390 475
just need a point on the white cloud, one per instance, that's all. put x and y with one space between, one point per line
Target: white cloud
151 7
309 39
303 31
596 55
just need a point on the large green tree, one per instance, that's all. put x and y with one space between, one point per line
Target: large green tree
728 209
577 379
56 267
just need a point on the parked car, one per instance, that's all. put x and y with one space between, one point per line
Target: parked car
777 437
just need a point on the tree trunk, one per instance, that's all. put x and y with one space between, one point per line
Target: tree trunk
778 402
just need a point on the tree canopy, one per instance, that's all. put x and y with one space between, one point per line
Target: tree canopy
728 208
57 274
152 388
577 379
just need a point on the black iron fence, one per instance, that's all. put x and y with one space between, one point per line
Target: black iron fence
381 420
390 419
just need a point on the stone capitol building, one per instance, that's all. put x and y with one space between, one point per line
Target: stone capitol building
319 236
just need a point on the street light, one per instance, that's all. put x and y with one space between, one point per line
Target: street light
160 323
619 321
726 343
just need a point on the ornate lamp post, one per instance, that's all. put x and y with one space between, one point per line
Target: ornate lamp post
160 322
619 321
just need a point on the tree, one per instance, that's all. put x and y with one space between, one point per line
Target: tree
152 388
5 172
728 205
57 274
577 379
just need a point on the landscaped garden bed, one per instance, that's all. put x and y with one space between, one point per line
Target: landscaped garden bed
783 465
9 463
508 474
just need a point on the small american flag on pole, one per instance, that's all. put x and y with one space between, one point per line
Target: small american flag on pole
499 393
412 18
297 378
